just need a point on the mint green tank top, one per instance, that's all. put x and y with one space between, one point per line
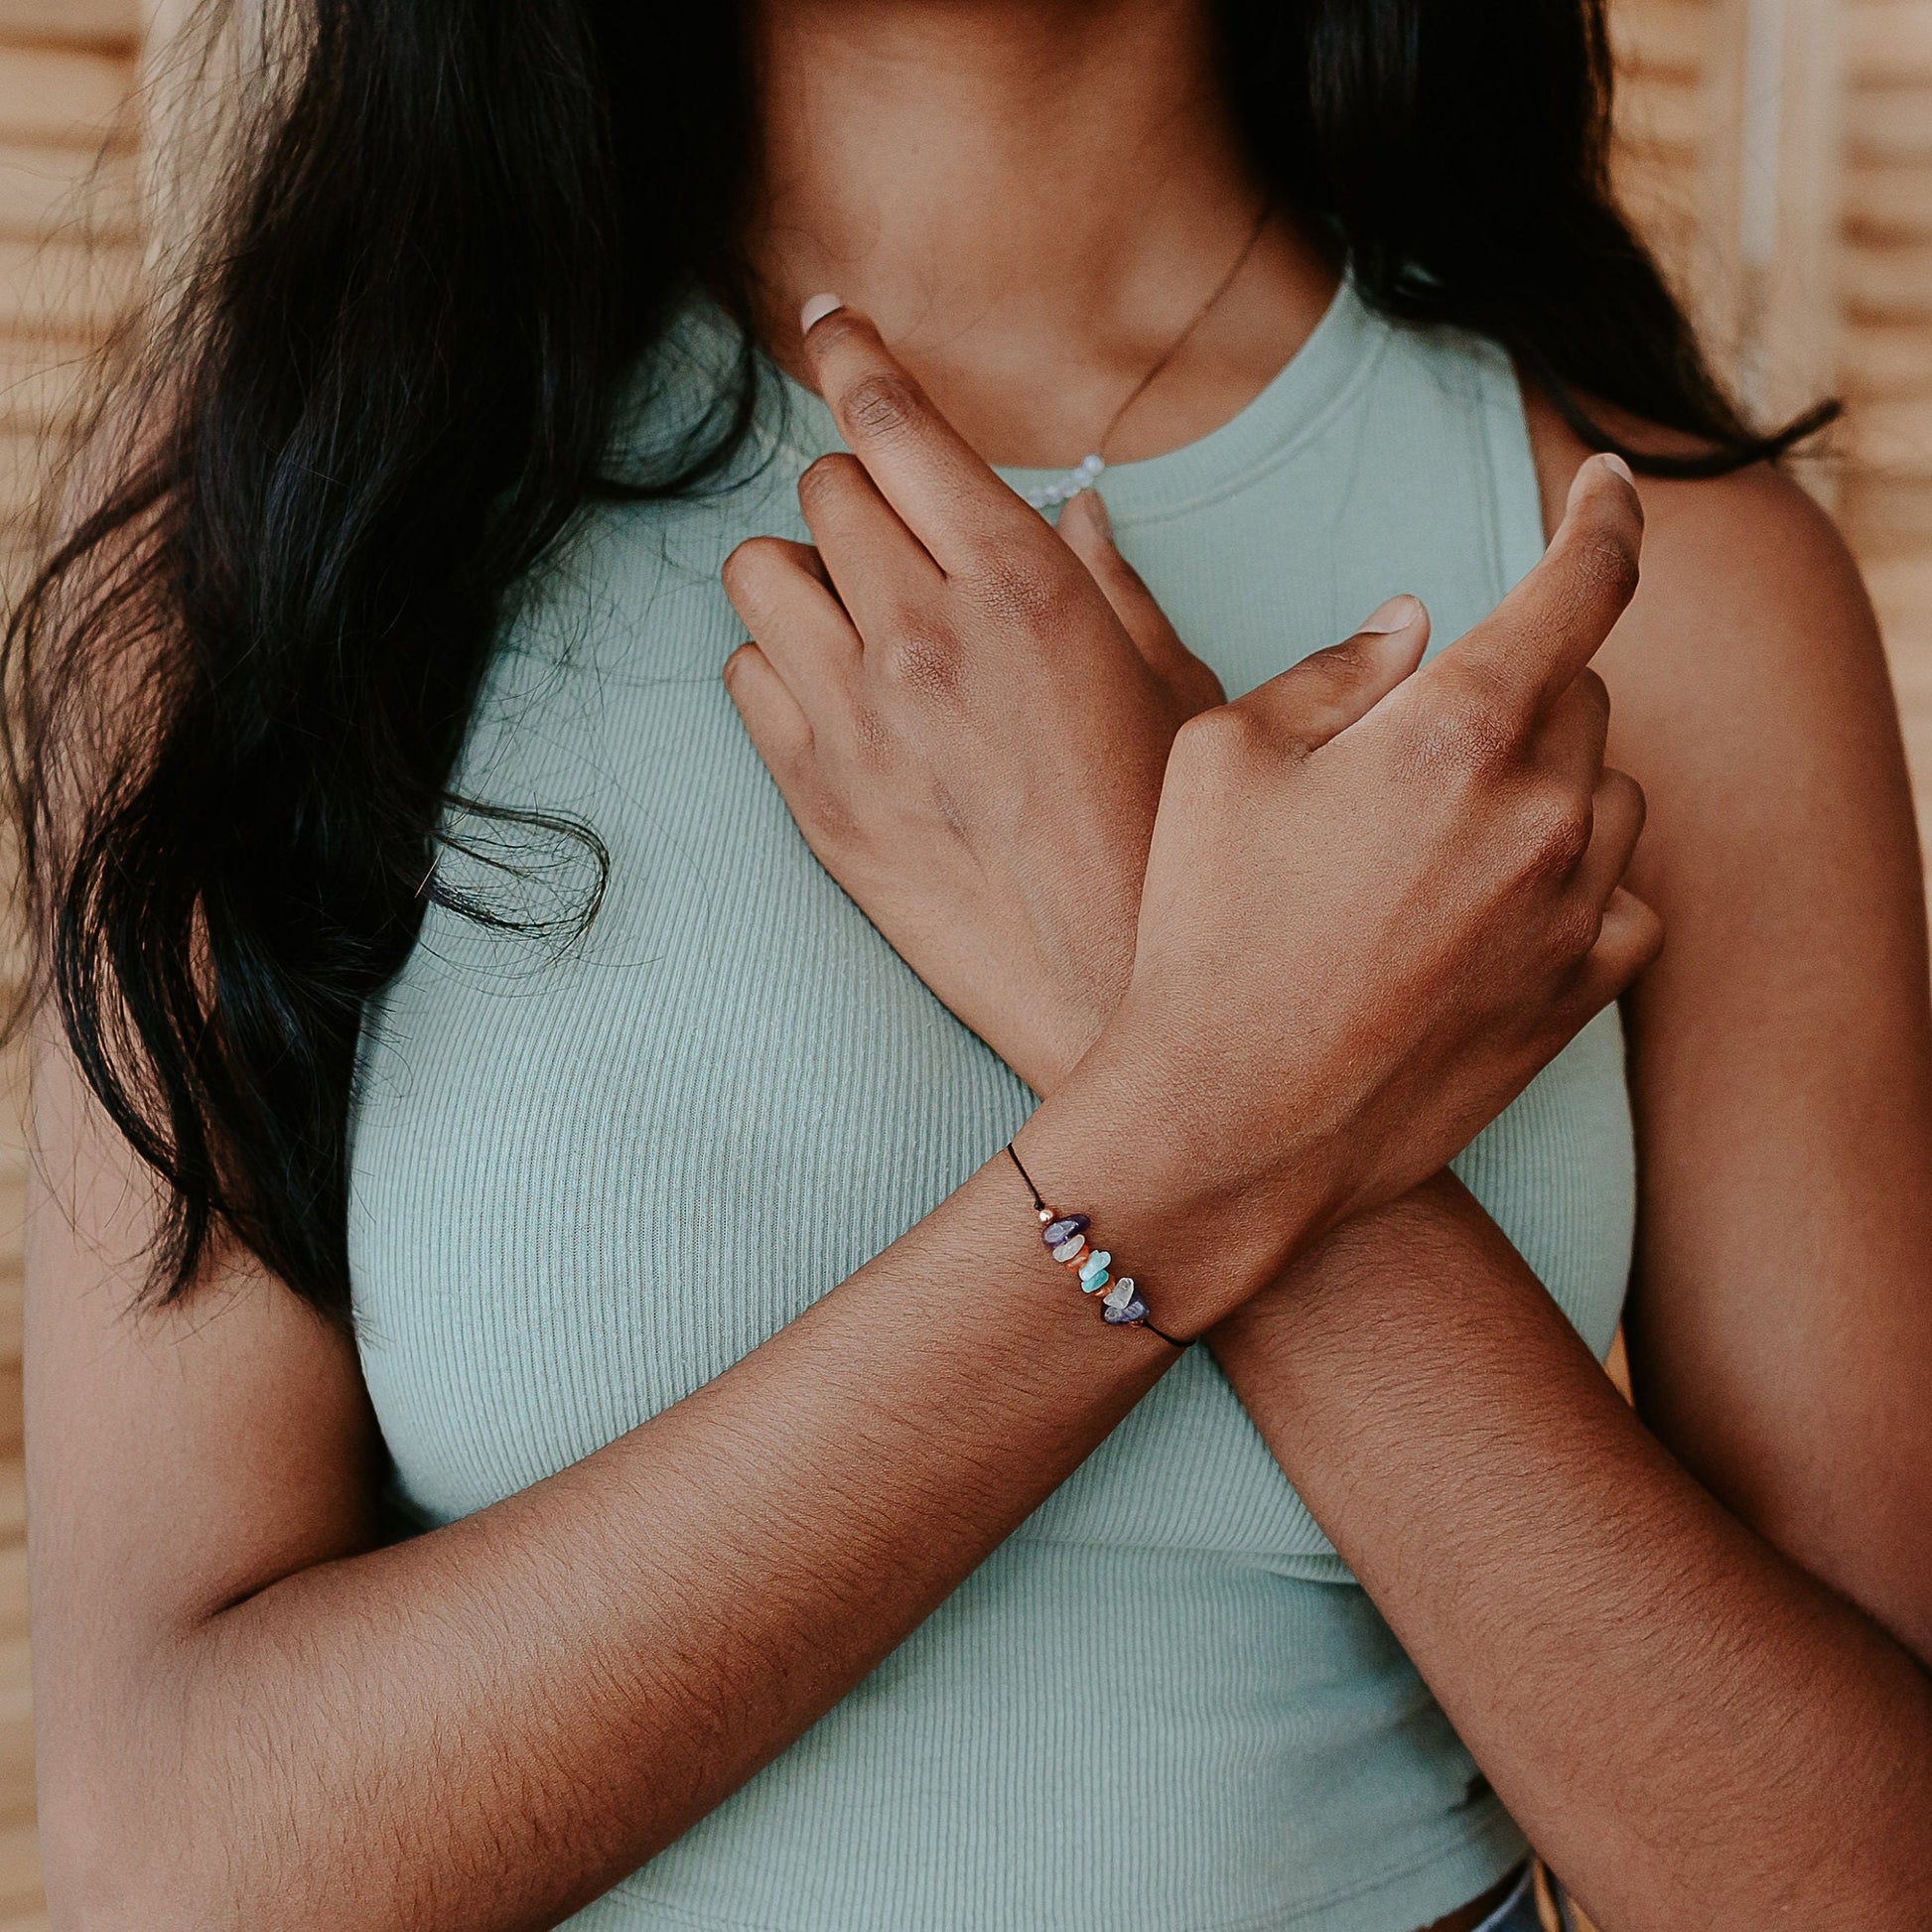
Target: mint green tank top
590 1175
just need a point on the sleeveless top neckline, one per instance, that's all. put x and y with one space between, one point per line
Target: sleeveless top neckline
1316 384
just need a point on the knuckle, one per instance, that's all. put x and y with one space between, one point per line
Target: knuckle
1646 932
751 564
827 478
1605 564
1636 800
1574 928
1621 798
924 656
823 812
1329 675
735 671
1593 695
882 403
1217 741
794 764
1555 827
1017 592
872 735
1467 727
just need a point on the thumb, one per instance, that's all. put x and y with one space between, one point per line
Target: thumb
1321 696
1088 530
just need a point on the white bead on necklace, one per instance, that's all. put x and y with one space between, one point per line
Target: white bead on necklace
1069 484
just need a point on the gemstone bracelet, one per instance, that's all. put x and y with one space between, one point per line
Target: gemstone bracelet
1065 1236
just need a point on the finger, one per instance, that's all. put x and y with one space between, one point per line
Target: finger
774 721
1617 810
874 563
1572 733
1314 701
1088 531
948 497
782 592
1553 622
1631 938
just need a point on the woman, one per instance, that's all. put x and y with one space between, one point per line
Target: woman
546 1143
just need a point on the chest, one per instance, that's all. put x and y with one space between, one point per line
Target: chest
590 1176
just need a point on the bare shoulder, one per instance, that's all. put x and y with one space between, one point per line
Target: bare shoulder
1750 686
1781 1047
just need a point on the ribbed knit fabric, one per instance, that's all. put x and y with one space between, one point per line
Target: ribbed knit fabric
587 1178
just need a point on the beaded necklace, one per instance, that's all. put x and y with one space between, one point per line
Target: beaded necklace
1086 472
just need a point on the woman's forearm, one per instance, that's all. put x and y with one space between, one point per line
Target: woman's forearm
1692 1729
485 1727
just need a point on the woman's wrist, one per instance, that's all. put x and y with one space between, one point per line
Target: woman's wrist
1425 1234
1198 1233
1066 1023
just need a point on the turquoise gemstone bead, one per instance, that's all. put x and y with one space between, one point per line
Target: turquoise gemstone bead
1093 1284
1095 1264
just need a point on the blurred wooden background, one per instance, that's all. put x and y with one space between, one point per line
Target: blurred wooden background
1780 151
67 251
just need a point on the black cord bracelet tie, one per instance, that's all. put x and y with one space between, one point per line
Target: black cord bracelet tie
1065 1236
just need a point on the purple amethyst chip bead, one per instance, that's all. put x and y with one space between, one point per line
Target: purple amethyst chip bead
1135 1310
1064 1229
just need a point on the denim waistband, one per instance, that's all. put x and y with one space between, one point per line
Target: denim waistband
1517 1912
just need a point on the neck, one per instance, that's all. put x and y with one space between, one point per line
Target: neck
1032 199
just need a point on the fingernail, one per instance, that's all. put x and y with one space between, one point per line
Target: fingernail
816 308
1616 466
1398 613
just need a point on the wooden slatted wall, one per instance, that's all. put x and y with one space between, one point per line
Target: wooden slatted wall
68 248
1886 369
1844 307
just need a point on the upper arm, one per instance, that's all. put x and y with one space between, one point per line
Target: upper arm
1781 1047
178 1460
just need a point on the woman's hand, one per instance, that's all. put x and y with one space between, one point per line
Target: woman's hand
1375 902
1353 952
968 714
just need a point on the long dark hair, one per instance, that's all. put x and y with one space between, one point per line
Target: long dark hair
388 381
